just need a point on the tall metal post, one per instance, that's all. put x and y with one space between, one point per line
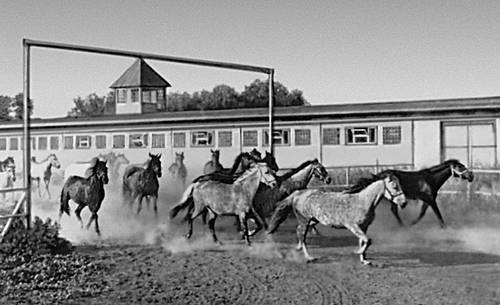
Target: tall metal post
271 109
26 132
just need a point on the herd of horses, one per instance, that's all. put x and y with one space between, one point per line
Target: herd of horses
252 190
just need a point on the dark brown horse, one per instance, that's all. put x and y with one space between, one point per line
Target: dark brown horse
139 183
424 185
86 192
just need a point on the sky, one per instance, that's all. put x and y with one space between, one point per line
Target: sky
334 51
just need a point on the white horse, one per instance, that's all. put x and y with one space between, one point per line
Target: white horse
42 170
7 179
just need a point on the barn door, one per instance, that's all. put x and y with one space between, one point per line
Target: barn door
473 143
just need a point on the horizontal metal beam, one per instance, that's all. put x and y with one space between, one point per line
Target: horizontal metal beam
181 60
13 216
14 189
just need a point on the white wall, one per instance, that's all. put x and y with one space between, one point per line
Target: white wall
427 143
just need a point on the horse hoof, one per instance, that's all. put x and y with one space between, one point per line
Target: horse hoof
311 259
366 263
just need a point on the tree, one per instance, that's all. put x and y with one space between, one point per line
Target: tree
93 105
257 95
5 104
17 106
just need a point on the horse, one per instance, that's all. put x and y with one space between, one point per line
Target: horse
8 162
424 185
178 170
241 163
226 199
353 209
213 165
86 192
7 178
114 161
139 182
266 199
42 170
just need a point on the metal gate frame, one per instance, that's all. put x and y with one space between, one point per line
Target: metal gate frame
29 43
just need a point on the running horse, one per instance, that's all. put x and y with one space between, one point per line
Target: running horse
424 185
214 164
353 209
140 183
86 192
42 171
178 170
220 198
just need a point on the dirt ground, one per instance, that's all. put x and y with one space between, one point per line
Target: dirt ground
144 261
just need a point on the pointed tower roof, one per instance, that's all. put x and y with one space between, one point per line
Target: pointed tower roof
140 74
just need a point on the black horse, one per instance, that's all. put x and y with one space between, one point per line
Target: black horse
139 182
86 192
424 185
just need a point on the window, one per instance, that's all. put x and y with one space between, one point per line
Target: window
280 137
302 137
3 144
225 138
179 139
54 143
138 140
118 141
157 140
361 135
250 138
83 142
148 96
100 141
134 95
202 138
32 141
122 96
68 142
331 136
160 95
14 144
391 135
42 143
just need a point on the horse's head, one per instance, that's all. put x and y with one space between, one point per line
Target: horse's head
320 172
460 170
271 161
215 154
393 191
100 170
256 154
179 157
155 164
266 174
8 162
121 159
11 172
54 161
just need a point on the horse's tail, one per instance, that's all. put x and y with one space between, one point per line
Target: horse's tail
185 202
64 201
280 214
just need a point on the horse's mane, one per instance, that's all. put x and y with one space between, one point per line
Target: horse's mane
362 183
237 161
296 170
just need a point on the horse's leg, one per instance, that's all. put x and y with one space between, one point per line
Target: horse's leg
155 207
196 213
94 217
260 221
364 242
302 228
139 203
394 210
211 225
435 208
243 220
78 210
425 205
47 188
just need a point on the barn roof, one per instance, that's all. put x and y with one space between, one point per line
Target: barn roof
462 108
140 74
